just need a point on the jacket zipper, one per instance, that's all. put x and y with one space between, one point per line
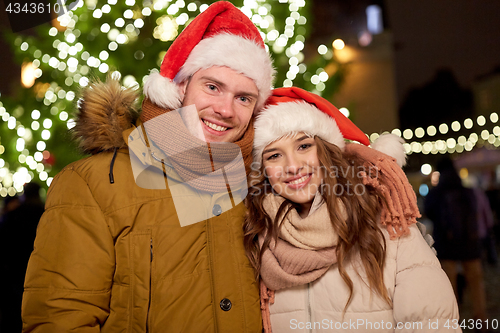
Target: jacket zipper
148 319
211 267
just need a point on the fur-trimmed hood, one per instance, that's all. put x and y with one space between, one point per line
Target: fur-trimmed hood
105 110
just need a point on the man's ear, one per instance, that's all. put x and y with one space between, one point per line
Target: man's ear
182 88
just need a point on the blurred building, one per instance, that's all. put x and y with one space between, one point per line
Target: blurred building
486 91
483 163
369 88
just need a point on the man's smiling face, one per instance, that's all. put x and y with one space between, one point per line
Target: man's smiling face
225 101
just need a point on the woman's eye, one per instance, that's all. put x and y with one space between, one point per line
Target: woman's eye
272 157
305 146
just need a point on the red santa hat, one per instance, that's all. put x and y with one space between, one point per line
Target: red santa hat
292 110
220 36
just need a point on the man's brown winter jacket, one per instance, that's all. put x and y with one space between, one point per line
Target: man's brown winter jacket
112 256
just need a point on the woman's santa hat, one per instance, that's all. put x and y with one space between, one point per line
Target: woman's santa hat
294 110
220 36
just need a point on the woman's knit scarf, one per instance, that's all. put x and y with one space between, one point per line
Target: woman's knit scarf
195 160
303 252
399 201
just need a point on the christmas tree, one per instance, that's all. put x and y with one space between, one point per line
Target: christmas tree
126 39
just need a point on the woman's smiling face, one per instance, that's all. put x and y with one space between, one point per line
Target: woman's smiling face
292 167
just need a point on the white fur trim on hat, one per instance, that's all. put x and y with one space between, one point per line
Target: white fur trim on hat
162 91
233 51
392 145
283 119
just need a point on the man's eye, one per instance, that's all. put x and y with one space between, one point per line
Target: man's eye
212 87
244 99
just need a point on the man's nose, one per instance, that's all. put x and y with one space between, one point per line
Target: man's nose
225 106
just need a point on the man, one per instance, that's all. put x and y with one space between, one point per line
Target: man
454 211
113 253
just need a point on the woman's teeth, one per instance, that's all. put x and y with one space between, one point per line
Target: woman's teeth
300 180
215 127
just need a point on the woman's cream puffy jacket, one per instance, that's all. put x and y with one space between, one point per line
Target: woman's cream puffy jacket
422 296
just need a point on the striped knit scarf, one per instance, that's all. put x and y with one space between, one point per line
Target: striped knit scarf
194 160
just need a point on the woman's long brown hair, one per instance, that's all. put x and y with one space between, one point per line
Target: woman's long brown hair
356 223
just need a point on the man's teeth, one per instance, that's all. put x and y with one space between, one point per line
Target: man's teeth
215 127
300 180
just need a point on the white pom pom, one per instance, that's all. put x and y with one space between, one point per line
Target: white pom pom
162 91
391 145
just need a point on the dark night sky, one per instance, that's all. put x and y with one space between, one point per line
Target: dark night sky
462 35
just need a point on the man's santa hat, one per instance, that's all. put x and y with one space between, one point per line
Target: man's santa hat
293 110
220 36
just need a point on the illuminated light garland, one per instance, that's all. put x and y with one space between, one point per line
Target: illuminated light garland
451 144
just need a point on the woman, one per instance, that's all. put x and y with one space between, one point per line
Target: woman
331 227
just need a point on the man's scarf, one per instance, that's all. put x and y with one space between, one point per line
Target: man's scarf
192 158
